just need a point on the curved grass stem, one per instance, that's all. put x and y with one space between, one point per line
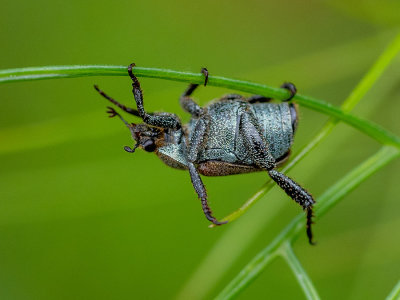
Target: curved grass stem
301 275
53 72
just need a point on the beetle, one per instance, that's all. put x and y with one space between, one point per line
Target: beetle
231 135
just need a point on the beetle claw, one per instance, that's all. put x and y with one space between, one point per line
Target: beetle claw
130 67
205 72
291 88
214 220
111 111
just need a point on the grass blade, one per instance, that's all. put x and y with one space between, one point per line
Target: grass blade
301 275
395 293
52 72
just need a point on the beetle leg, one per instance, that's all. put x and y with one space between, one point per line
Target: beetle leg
258 99
163 121
262 99
129 110
255 142
197 141
190 106
187 103
291 88
202 193
230 97
298 194
190 89
257 146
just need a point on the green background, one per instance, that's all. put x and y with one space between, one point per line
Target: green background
82 219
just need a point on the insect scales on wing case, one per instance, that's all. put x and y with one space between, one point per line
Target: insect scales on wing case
232 135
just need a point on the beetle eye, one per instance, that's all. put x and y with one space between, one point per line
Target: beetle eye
149 145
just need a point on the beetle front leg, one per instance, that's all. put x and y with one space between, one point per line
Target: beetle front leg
197 141
257 146
164 121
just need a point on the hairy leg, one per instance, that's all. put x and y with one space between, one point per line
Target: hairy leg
163 121
187 103
197 141
258 148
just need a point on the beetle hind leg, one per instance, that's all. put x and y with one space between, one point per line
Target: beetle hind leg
291 88
310 216
257 146
298 194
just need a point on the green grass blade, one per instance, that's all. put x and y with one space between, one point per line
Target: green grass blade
395 293
373 74
369 128
326 201
354 178
301 275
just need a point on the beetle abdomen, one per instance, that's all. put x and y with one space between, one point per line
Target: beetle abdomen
219 168
224 142
275 119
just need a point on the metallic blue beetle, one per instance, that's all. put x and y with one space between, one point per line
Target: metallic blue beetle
232 135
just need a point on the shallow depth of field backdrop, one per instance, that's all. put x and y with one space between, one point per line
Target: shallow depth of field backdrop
82 219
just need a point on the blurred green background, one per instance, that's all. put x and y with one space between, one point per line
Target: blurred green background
82 219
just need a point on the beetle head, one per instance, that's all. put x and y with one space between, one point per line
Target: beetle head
148 138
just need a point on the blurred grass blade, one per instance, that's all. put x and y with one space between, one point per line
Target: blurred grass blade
326 201
369 128
373 74
395 293
249 272
301 275
335 193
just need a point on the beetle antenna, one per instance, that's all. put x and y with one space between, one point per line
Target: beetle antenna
131 150
112 113
129 110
